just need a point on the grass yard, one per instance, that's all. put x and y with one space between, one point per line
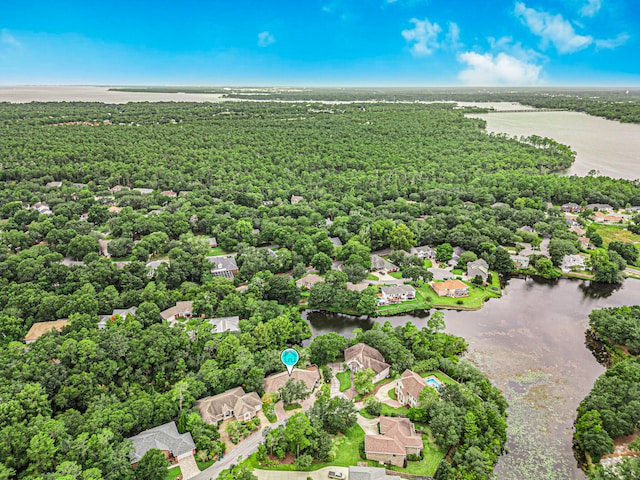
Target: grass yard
396 275
428 263
392 395
611 233
371 276
388 411
345 380
216 251
204 465
433 455
345 450
172 473
477 296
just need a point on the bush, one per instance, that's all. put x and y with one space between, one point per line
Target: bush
460 302
373 406
303 462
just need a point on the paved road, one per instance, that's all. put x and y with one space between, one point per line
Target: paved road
244 449
321 474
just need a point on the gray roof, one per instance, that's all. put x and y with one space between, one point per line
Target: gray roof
164 437
379 263
225 324
479 267
424 249
370 473
397 290
599 206
235 400
336 241
224 263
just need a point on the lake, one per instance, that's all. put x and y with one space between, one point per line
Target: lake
531 343
610 147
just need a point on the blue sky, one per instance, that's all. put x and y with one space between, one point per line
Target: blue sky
320 42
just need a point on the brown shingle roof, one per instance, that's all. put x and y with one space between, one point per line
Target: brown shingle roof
412 383
367 356
235 399
275 382
40 328
449 285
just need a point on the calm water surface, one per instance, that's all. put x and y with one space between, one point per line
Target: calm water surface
611 148
531 343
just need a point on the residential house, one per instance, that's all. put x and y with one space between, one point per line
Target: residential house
457 251
571 219
602 207
520 261
570 207
144 191
600 217
225 324
382 265
153 266
397 293
232 403
79 185
361 357
478 268
114 209
585 243
425 251
168 193
123 312
370 473
180 312
498 204
357 287
309 280
117 188
450 288
213 242
527 228
223 266
336 241
165 438
310 376
53 184
42 208
408 388
267 203
397 439
40 328
104 247
577 230
296 199
572 262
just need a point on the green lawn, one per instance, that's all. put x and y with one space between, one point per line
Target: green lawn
371 276
392 394
428 263
433 455
397 275
457 271
172 473
477 296
388 411
345 450
216 251
611 233
345 380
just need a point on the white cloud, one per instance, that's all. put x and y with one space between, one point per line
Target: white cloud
9 40
552 28
453 35
501 69
591 8
265 39
609 43
424 37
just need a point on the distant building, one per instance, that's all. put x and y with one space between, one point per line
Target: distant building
53 184
382 265
336 241
310 376
527 228
370 473
309 280
165 438
168 193
225 324
296 199
153 266
478 268
397 293
180 312
362 357
570 207
123 312
232 403
577 230
40 328
585 243
114 209
600 217
602 207
520 261
223 266
450 288
144 191
572 262
457 251
424 251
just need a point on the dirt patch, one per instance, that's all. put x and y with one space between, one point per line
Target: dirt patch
289 459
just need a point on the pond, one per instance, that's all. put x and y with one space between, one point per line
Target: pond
531 343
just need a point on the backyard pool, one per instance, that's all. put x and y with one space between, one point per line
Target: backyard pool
433 382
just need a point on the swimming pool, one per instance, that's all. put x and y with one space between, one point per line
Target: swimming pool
433 382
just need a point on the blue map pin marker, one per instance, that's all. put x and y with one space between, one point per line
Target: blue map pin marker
289 357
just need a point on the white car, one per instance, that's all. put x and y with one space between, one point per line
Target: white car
338 475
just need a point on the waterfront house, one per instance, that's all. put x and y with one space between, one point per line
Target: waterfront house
572 262
520 261
478 268
397 293
450 288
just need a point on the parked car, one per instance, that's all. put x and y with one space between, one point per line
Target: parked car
338 475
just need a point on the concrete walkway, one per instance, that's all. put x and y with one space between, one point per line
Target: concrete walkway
188 467
383 394
370 426
321 474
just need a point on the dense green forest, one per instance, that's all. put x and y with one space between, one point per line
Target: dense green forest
612 410
373 175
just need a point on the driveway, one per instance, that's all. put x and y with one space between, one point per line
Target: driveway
441 273
321 474
383 394
188 467
370 426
